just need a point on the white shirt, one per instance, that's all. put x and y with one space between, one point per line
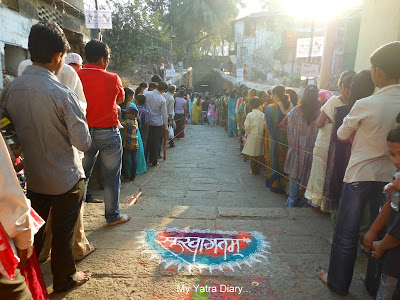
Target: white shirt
371 119
156 105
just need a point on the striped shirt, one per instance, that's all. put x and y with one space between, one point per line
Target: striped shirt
130 132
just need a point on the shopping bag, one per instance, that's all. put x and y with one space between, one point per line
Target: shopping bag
170 132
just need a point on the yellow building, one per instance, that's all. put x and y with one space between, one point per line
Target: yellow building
380 24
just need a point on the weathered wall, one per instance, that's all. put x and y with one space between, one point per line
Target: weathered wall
185 78
380 24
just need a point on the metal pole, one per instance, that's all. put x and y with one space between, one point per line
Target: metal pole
100 36
311 43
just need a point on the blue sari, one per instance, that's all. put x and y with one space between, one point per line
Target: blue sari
232 130
141 161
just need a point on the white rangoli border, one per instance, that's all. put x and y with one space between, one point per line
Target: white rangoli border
258 256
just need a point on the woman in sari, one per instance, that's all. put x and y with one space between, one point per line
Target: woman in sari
196 110
320 153
302 132
354 87
275 140
141 161
232 130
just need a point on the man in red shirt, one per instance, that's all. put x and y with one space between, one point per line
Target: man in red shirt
103 91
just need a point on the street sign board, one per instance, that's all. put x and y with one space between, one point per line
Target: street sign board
303 47
98 19
310 70
239 75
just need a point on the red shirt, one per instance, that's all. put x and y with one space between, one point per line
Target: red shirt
102 89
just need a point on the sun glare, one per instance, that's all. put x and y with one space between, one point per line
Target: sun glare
321 9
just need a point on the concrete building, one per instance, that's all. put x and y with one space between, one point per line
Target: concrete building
17 18
380 24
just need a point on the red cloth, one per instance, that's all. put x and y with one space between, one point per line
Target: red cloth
7 256
101 89
34 278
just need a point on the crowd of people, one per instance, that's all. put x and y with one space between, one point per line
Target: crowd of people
335 153
58 117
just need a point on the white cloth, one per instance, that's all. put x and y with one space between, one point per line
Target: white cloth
371 119
67 77
320 154
254 128
14 207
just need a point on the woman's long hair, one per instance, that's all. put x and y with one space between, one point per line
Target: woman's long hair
128 91
309 103
361 86
280 91
141 86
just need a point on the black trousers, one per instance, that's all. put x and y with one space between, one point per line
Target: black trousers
65 211
153 142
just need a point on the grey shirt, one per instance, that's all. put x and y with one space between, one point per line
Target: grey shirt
48 122
169 98
156 105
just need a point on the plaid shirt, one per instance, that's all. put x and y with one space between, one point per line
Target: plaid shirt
130 132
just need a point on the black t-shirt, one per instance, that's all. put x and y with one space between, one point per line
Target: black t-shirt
204 106
391 259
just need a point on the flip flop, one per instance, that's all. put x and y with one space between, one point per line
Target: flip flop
122 219
95 201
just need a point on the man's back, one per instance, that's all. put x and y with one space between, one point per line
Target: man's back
102 89
48 122
156 105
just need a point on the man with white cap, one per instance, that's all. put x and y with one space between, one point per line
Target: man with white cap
74 60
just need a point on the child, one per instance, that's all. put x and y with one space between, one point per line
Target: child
144 117
130 144
212 114
254 128
388 249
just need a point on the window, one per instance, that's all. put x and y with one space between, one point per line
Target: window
12 4
249 29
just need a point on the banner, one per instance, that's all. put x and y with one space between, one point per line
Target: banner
170 72
239 75
98 19
310 70
303 47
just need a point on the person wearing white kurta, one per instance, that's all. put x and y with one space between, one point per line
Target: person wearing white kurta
320 155
254 147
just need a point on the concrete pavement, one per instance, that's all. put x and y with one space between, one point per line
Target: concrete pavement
205 186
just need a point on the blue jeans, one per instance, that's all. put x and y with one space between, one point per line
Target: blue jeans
106 143
203 117
345 239
293 192
125 163
387 287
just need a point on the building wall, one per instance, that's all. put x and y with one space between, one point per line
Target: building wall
15 27
380 24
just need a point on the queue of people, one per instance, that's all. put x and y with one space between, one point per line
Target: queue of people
336 154
61 116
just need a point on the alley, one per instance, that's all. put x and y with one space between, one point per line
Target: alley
205 187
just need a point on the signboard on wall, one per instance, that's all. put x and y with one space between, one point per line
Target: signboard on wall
98 19
303 47
310 70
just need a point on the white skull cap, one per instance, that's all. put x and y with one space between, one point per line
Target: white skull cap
73 58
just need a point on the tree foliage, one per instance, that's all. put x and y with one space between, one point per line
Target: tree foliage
141 28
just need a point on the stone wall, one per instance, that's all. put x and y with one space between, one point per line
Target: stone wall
185 78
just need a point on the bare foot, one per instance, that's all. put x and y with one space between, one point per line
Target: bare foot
323 276
122 219
82 277
330 241
362 277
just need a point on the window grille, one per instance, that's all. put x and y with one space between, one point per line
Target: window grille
12 4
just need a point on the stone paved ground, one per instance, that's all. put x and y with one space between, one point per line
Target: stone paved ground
205 185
